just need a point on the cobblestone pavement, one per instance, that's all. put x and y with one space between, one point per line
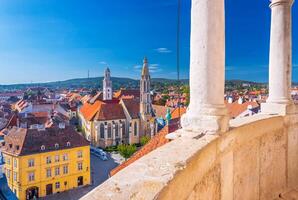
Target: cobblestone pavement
99 173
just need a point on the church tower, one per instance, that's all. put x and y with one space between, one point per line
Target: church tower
145 103
107 85
146 112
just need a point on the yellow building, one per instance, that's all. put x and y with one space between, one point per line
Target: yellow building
43 162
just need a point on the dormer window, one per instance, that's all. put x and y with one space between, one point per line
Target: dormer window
68 144
17 147
56 145
43 147
10 145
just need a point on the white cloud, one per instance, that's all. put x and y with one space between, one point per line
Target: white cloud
152 67
163 50
103 62
137 66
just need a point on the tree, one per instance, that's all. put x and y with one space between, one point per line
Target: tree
144 140
126 151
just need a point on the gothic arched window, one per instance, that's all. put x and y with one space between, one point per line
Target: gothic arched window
144 84
109 130
102 131
135 129
116 130
123 129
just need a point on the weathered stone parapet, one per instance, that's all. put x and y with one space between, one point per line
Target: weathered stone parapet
256 159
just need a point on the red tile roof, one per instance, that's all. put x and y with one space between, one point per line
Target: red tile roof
108 110
21 141
132 106
178 112
125 93
235 109
89 110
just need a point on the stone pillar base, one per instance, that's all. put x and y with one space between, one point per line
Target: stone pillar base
278 109
205 123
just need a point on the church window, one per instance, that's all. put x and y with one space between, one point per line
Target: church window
109 130
135 129
102 131
116 130
123 129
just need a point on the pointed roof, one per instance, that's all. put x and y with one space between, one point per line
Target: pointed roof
145 70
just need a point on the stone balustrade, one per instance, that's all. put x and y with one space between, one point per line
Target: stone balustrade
211 157
256 159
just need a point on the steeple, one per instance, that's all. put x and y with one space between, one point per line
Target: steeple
145 70
107 85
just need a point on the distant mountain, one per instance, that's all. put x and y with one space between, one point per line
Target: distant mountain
118 82
96 82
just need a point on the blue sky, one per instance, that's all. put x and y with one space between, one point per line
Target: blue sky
47 40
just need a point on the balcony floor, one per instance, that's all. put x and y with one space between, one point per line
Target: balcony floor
291 195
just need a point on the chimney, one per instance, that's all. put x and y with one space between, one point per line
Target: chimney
230 99
240 100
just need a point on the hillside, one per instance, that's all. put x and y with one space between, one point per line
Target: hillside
96 82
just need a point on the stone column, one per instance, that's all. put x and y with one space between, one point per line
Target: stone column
207 110
280 61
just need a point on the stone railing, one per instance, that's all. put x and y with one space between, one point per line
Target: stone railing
256 159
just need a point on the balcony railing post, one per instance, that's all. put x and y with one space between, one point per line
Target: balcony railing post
280 59
207 110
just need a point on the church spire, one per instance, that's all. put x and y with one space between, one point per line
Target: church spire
145 70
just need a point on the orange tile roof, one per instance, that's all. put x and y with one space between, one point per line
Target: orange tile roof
235 109
89 110
175 113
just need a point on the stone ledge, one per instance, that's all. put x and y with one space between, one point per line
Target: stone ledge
178 169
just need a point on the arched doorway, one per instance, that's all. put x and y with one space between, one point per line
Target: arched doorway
32 193
49 189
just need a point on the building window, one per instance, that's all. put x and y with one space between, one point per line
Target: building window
31 163
49 173
15 176
68 144
65 157
116 130
123 129
31 176
135 129
102 131
49 160
80 154
57 158
57 185
80 166
8 173
57 171
65 169
56 146
7 161
109 130
15 163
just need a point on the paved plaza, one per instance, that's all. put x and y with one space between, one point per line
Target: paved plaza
99 173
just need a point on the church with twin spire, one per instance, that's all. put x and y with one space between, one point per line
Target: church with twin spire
121 117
